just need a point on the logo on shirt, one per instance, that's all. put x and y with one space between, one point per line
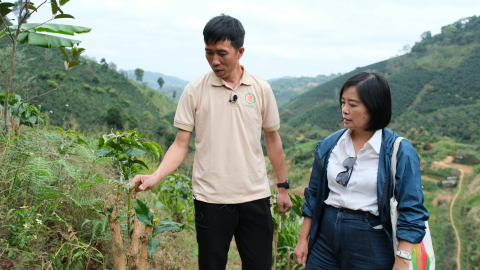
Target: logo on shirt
250 98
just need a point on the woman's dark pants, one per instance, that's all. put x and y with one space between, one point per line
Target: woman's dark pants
251 224
349 239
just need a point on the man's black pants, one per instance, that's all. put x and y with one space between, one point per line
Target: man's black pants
251 224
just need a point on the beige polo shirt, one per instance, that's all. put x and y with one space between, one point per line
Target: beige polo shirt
229 165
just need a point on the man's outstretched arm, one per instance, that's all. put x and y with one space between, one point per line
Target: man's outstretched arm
273 142
172 159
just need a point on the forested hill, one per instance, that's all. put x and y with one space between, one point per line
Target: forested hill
286 88
90 90
436 85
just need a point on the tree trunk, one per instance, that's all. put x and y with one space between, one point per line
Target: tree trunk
134 246
275 243
142 260
119 257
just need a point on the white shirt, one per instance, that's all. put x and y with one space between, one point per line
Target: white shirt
361 191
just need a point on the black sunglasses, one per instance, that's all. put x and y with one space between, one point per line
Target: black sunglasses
344 177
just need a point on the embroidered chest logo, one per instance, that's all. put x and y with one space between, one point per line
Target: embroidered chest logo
250 99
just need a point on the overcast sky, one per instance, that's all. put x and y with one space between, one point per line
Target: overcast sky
283 38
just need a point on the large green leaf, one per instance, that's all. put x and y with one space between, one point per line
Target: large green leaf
152 245
104 152
46 41
143 212
141 163
154 148
132 143
167 225
5 8
56 28
134 152
63 2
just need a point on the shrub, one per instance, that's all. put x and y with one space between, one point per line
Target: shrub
87 87
99 90
126 102
72 78
112 91
96 79
132 121
52 83
45 75
60 75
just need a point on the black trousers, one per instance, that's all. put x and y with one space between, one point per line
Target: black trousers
251 224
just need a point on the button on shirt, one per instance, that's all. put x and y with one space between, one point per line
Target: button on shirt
361 191
229 166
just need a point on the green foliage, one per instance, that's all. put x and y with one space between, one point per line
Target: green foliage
126 102
45 75
287 88
52 83
60 75
289 229
51 184
89 111
176 196
114 117
24 113
72 78
96 80
139 74
86 86
99 90
170 138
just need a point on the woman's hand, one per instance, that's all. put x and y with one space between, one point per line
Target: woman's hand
301 252
401 264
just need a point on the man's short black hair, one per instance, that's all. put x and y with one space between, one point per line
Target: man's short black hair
224 27
374 91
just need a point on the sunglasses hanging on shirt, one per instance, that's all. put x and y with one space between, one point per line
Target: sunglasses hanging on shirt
344 177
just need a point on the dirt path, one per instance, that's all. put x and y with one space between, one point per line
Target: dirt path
464 169
459 243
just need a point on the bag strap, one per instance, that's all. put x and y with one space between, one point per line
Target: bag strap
394 162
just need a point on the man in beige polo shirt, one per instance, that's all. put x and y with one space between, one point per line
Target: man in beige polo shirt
228 108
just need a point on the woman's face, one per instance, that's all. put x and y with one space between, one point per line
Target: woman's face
355 113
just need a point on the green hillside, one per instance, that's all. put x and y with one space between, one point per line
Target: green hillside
90 90
431 86
286 88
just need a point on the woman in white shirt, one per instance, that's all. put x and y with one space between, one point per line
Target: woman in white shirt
347 221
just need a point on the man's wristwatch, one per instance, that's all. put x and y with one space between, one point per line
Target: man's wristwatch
404 255
285 185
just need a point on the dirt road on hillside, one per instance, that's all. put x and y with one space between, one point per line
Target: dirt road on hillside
464 169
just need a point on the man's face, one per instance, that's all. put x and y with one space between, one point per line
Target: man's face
223 58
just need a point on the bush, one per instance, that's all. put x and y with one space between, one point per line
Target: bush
45 75
72 78
126 102
112 91
96 79
52 83
99 90
60 75
87 87
114 117
132 121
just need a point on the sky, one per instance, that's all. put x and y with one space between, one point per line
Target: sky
283 38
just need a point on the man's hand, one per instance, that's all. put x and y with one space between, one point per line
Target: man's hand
143 182
301 252
284 202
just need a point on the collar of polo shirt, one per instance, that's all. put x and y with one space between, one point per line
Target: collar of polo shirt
246 79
